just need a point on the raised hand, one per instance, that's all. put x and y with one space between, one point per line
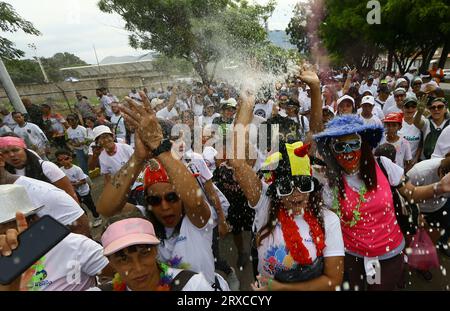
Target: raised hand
144 120
422 103
309 75
8 241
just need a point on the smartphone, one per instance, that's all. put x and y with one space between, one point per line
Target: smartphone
34 243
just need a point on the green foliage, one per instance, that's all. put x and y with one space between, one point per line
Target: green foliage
199 31
10 21
408 28
172 65
297 28
28 71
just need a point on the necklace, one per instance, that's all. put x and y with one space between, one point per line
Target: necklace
165 279
336 207
293 239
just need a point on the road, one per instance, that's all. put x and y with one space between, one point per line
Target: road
414 281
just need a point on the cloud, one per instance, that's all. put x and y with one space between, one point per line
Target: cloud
76 25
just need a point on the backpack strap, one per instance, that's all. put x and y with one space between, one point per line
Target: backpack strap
180 281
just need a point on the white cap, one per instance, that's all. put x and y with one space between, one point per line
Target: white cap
434 61
15 199
345 97
102 129
368 100
400 80
155 102
368 91
231 102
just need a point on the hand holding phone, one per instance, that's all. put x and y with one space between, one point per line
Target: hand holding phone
22 247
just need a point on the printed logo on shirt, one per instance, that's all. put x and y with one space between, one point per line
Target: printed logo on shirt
35 277
260 113
278 259
411 138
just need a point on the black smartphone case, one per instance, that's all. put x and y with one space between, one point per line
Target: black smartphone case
34 243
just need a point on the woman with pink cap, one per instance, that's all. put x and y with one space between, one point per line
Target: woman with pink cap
131 245
174 203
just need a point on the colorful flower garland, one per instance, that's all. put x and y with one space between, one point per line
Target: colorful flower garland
165 279
336 206
293 239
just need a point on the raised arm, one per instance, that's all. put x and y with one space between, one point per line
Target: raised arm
418 122
422 193
308 76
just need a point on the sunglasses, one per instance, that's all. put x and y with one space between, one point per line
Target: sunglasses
63 159
304 184
347 146
437 107
155 200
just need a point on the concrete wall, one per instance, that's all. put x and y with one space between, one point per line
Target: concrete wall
120 86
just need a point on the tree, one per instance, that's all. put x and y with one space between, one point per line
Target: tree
53 64
27 71
199 31
408 29
10 21
297 28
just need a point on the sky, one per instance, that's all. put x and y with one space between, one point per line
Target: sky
75 26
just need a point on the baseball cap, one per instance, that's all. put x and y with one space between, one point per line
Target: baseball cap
399 91
155 102
128 232
100 130
231 102
410 99
394 117
346 97
368 100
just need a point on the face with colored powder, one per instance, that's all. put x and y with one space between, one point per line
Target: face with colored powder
347 152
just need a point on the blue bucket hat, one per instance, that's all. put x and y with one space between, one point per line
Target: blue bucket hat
351 124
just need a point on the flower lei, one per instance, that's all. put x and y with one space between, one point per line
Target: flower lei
336 207
293 239
163 285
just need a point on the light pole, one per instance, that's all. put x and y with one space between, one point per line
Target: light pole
33 47
11 92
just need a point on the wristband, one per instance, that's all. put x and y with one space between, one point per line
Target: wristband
166 145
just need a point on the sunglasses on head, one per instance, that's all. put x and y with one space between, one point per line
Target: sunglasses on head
304 184
347 146
155 200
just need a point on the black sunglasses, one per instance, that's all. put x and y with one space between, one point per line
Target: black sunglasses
304 184
155 200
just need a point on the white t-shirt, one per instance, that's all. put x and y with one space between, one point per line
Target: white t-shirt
209 155
205 120
388 104
119 125
78 135
33 134
263 110
112 164
426 173
4 129
105 102
191 249
442 144
412 134
55 201
392 109
166 114
50 170
9 121
374 120
373 88
273 254
75 174
403 151
376 111
70 266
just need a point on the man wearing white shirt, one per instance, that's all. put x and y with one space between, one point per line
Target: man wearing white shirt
118 122
8 120
105 102
32 134
369 85
399 97
366 111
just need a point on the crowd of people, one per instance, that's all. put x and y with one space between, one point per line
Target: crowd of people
338 171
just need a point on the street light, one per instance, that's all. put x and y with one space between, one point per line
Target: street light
33 47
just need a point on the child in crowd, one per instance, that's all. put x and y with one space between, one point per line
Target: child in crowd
393 124
79 182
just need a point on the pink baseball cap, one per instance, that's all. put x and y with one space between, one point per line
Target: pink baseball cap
128 232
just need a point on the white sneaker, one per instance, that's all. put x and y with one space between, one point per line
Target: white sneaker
97 222
233 281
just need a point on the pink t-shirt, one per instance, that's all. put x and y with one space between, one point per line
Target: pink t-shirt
377 232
